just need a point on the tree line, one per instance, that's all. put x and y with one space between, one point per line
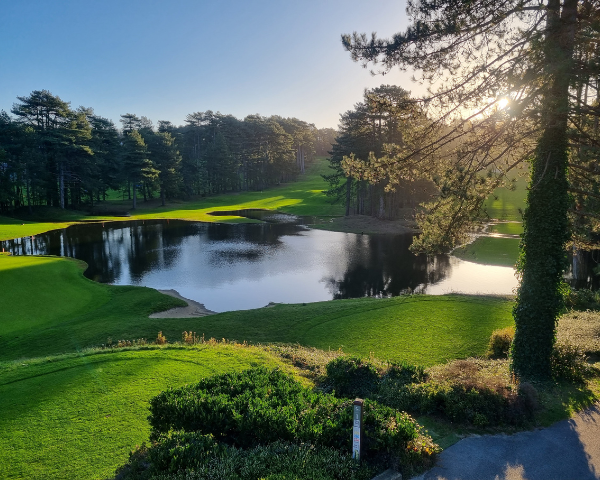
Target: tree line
55 155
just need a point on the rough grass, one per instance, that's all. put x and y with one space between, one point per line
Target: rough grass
581 329
78 416
490 251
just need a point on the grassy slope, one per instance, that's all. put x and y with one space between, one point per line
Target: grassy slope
78 416
490 251
49 307
507 204
503 205
303 197
77 313
418 329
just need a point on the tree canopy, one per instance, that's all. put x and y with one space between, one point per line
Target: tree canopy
52 154
512 83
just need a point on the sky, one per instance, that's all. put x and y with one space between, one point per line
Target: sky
166 59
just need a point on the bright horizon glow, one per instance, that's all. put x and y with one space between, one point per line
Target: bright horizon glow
166 60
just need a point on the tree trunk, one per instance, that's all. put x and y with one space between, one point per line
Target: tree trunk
61 185
348 194
134 196
543 255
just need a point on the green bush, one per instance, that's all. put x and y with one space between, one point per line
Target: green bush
500 342
458 402
405 373
261 406
583 299
352 377
182 455
569 363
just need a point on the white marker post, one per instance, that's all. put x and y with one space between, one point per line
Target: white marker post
356 428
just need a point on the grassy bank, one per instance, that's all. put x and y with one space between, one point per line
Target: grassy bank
78 416
75 313
490 251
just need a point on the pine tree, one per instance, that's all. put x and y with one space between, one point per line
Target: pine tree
537 56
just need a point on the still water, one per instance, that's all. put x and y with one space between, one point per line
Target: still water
234 267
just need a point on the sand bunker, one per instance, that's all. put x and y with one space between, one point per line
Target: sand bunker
193 309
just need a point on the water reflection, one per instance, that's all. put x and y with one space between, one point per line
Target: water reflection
231 267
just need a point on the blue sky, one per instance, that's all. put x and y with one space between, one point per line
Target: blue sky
165 59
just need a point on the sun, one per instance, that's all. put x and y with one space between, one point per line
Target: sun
502 103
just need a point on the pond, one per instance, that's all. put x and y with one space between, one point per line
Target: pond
241 266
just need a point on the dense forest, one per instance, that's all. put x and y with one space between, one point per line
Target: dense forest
382 120
54 155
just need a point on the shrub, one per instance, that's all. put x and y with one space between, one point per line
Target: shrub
467 391
582 299
191 338
195 456
261 406
405 373
569 363
352 377
500 342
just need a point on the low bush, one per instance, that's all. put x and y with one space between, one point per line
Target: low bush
195 456
581 329
500 342
261 406
582 299
352 377
569 363
471 391
160 339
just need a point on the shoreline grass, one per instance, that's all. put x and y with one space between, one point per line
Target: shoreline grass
77 313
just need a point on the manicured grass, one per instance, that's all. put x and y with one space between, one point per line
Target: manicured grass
418 329
49 307
490 251
507 204
79 416
14 228
509 228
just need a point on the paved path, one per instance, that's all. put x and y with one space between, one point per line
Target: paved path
568 450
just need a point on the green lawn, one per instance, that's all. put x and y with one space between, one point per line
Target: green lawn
490 251
419 329
76 313
79 416
509 228
507 204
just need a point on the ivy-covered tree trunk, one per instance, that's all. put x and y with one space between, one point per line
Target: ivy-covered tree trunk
546 227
